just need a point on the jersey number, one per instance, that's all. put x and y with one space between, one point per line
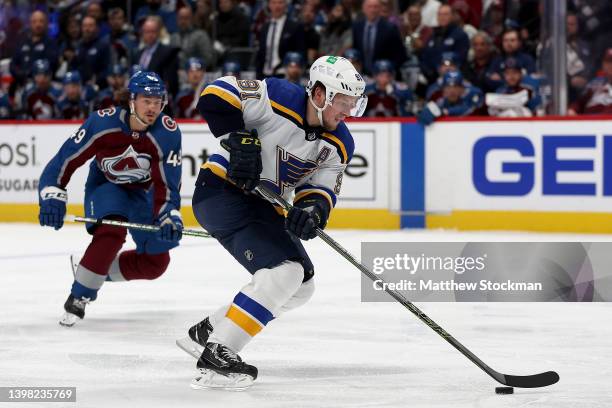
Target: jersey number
78 136
174 159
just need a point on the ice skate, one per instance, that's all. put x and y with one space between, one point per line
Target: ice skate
75 310
220 367
196 341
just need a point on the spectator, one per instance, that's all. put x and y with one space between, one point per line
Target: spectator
6 110
461 14
187 99
388 11
429 12
473 12
278 36
597 97
311 36
231 26
511 47
579 59
387 98
447 37
158 57
479 68
294 68
203 15
415 33
123 42
36 46
95 10
155 8
521 96
377 38
40 98
115 94
458 100
192 42
493 21
448 64
336 37
68 45
93 54
73 103
13 18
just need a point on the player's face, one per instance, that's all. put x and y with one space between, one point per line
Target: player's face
73 91
148 108
512 77
42 81
383 79
195 76
339 110
453 93
294 72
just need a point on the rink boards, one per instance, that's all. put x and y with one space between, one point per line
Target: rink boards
541 175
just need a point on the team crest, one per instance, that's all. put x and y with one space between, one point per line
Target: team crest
169 123
128 167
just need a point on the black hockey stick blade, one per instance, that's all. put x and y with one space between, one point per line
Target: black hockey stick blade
530 381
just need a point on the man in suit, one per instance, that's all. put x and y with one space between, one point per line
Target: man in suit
278 36
157 57
376 38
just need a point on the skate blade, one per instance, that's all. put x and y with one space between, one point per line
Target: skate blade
190 347
69 320
209 379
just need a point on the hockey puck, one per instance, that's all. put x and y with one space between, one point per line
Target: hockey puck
504 390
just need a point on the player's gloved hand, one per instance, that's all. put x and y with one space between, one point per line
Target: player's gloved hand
52 203
245 158
305 217
170 226
428 115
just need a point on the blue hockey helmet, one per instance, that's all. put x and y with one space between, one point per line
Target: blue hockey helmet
512 63
194 64
352 54
146 83
231 68
72 77
134 69
383 65
41 66
452 78
293 58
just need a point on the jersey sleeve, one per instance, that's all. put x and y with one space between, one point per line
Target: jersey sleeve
226 102
79 148
167 174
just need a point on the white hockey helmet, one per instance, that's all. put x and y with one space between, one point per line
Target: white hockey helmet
338 75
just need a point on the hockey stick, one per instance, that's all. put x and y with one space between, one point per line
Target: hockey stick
133 225
523 381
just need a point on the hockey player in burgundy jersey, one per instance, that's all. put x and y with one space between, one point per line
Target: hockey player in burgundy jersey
135 175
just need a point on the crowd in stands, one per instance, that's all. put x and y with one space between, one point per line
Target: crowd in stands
422 58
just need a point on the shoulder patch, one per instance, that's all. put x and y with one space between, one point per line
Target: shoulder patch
110 111
169 123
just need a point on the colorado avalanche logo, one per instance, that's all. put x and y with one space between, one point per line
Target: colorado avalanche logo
169 123
128 167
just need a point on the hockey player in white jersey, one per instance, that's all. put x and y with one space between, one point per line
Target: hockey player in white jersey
296 144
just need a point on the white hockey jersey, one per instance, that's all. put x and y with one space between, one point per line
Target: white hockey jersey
296 158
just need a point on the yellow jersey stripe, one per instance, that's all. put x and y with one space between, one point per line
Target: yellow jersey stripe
244 321
324 193
217 169
337 142
223 94
287 111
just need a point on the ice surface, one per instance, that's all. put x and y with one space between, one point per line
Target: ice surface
333 352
